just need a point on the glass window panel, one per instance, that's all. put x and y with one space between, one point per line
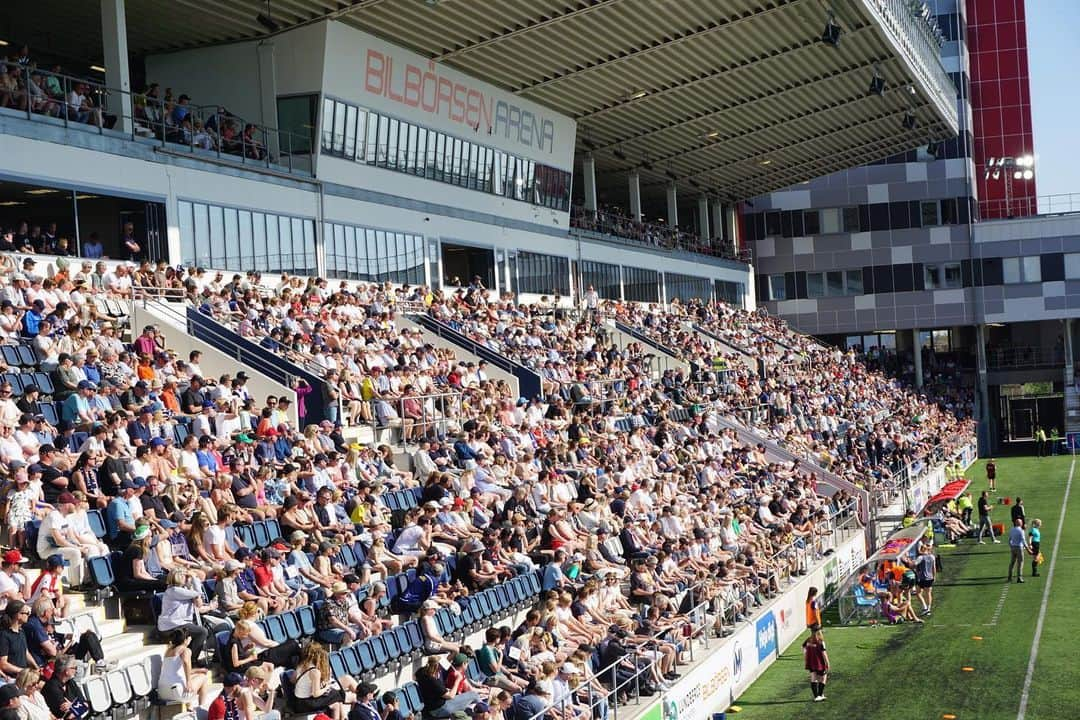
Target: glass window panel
811 222
1032 269
361 134
1010 270
297 235
850 219
392 144
431 153
369 249
285 240
247 246
216 238
273 244
338 146
440 159
815 285
380 153
336 249
327 124
371 145
410 150
258 241
929 211
310 264
421 151
777 287
378 256
953 276
349 257
835 281
931 276
187 233
854 282
349 148
1072 266
232 240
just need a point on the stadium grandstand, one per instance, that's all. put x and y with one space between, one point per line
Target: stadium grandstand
393 359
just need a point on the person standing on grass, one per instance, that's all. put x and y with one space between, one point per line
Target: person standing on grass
1034 539
1017 511
817 662
925 572
984 517
991 475
1017 545
813 610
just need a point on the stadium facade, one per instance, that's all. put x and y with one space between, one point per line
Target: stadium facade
945 248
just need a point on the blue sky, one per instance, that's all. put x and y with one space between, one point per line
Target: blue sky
1054 62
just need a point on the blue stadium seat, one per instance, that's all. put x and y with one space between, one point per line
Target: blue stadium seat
293 629
27 357
306 615
260 535
44 383
275 629
337 665
366 655
97 523
50 413
273 529
101 571
412 698
11 355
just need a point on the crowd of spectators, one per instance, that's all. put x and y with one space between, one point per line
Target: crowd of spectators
819 402
173 117
611 220
25 86
646 520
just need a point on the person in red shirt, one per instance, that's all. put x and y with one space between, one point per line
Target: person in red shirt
456 681
227 706
263 566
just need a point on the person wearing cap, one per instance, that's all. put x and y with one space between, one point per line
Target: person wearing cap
332 623
227 590
119 518
227 705
132 571
365 707
57 536
78 410
13 582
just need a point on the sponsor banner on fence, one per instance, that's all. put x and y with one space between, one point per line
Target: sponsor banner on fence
765 638
733 665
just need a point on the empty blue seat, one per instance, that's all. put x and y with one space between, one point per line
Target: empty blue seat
96 523
352 660
293 629
27 357
306 615
337 665
101 571
50 413
366 654
275 629
412 698
260 535
11 355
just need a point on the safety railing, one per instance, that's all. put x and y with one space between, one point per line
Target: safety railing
207 131
436 411
1025 357
1029 205
653 235
711 615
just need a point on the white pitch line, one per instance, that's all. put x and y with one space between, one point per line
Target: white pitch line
1000 606
1026 694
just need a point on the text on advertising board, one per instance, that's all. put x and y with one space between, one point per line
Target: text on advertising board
766 636
427 90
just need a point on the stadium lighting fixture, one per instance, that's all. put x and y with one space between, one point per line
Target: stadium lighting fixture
3 43
639 94
1028 174
97 68
831 34
877 84
766 162
909 122
713 134
267 20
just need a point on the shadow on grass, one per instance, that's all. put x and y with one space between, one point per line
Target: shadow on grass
766 703
995 580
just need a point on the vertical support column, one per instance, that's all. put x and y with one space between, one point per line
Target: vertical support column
718 230
731 225
117 75
635 195
672 206
703 220
982 393
1069 369
275 144
588 169
918 357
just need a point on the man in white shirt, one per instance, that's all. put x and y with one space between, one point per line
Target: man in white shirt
55 537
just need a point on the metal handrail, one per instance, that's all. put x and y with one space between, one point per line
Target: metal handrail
154 121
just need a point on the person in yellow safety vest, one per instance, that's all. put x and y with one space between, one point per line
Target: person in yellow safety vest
965 504
719 364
